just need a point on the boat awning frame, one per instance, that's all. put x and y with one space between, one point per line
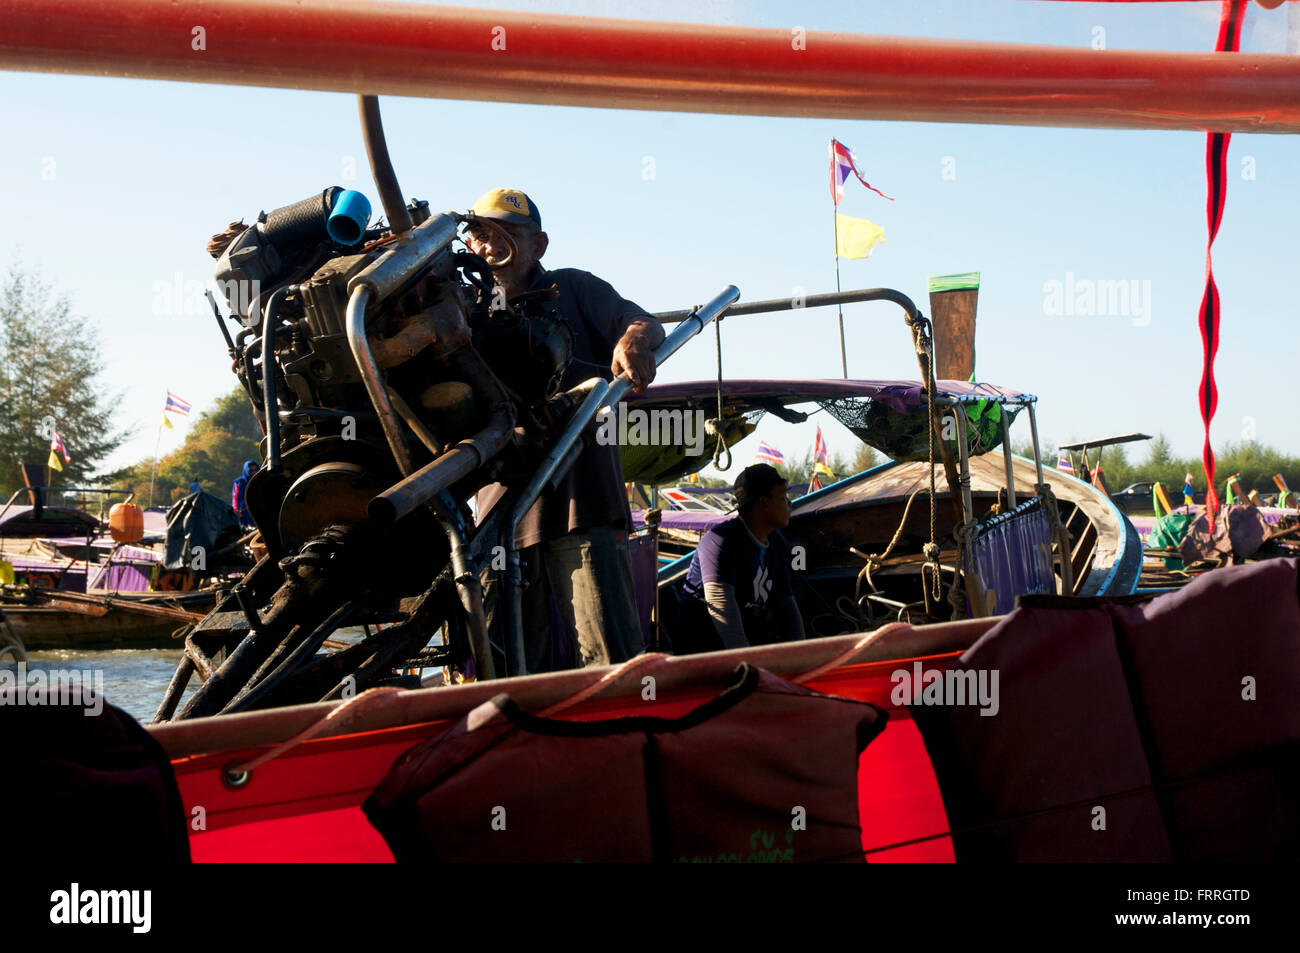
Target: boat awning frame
409 49
903 394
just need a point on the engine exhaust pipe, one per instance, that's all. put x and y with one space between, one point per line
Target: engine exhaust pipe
454 465
381 165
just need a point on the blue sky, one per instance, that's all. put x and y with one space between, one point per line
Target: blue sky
144 172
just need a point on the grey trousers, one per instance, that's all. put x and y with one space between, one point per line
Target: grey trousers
588 573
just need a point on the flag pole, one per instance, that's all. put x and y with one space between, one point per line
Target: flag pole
153 472
844 361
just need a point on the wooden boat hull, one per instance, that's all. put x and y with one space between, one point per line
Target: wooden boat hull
59 620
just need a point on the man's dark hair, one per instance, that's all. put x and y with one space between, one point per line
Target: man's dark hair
754 483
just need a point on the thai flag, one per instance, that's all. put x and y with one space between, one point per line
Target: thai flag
769 454
56 443
843 162
1064 465
820 453
176 405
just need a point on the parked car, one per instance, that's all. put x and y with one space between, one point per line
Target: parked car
1135 496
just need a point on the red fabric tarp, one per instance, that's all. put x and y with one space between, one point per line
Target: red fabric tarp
305 805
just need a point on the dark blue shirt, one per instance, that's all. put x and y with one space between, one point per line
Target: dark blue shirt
758 575
592 492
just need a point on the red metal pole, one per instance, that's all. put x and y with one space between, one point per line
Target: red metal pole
367 46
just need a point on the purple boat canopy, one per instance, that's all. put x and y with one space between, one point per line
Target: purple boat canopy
889 415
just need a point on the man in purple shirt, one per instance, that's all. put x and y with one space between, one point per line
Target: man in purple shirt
737 590
573 541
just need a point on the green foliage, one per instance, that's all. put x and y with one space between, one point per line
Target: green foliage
50 367
214 451
233 415
1158 454
865 458
1255 462
1115 465
1047 456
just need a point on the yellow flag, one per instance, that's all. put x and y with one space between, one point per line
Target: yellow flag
54 463
167 422
856 237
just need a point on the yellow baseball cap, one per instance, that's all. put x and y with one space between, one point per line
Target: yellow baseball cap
507 205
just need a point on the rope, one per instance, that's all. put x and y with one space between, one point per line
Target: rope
1060 535
876 561
655 658
352 706
369 698
956 600
605 680
717 425
849 653
925 354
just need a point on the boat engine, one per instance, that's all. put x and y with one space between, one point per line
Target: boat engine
455 359
392 380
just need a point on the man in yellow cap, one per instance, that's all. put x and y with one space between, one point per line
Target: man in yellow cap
573 541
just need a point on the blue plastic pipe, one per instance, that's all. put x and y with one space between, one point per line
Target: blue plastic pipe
348 219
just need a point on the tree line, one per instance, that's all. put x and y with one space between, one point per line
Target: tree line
1253 462
52 374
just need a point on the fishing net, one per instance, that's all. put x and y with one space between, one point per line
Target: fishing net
903 435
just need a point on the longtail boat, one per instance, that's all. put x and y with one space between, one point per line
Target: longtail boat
287 783
304 804
65 583
881 518
290 784
54 619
